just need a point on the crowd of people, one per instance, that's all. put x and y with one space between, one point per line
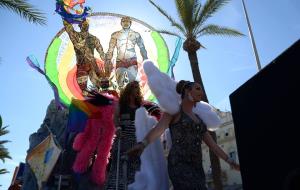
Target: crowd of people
187 131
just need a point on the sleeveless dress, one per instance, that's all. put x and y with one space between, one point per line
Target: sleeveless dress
185 156
128 140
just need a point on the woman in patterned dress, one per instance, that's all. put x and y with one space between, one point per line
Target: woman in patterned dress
187 132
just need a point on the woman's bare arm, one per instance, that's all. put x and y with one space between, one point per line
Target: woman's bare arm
209 141
154 133
160 127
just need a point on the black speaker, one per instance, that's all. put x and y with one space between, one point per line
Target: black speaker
266 118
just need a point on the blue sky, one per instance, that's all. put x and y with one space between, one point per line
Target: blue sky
225 65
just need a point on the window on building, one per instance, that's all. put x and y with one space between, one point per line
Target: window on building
232 155
227 132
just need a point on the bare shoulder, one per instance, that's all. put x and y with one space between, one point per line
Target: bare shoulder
167 116
136 34
170 119
115 34
93 37
175 118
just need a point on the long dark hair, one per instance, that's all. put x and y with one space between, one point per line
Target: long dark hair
127 92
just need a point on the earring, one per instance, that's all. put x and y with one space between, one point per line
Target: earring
190 97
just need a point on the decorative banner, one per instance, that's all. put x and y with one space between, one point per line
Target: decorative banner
33 62
72 11
42 159
60 61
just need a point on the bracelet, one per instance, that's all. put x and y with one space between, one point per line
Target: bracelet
141 144
230 160
145 143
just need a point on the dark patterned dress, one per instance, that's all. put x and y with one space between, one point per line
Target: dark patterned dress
185 157
128 140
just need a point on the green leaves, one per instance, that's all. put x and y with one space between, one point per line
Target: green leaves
3 171
25 10
167 32
209 9
4 154
218 30
173 22
3 130
193 16
185 12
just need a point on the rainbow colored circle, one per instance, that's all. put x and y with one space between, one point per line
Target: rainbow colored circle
60 60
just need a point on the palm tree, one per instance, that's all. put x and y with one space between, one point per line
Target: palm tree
192 25
4 154
25 10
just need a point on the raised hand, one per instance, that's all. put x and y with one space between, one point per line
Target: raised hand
235 166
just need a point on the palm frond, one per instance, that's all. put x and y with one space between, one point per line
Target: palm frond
209 9
25 10
218 30
3 151
4 154
185 11
168 32
3 171
3 130
196 13
196 10
173 22
3 142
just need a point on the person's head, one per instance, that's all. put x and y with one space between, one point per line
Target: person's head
84 26
191 91
132 92
126 22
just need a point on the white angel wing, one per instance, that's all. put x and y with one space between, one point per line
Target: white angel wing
208 115
164 88
153 173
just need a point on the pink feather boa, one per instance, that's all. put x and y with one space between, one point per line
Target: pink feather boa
97 136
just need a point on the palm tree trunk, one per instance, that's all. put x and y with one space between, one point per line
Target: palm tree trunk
215 166
196 72
214 160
